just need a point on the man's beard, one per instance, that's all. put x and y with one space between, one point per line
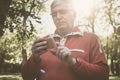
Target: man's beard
63 31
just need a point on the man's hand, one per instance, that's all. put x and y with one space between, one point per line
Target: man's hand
64 54
39 47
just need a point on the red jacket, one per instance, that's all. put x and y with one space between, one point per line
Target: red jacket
92 64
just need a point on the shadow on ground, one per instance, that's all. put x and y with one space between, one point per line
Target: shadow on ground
18 77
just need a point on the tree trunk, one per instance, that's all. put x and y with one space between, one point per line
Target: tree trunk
24 52
24 55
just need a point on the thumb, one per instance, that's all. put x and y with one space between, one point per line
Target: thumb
53 52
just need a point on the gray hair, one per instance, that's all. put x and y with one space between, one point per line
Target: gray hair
57 2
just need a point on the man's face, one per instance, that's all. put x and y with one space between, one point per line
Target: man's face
63 16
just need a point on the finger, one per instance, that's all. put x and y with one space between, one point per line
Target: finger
43 43
39 40
53 52
58 51
57 43
39 49
38 54
63 54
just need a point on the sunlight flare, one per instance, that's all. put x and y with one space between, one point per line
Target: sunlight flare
83 7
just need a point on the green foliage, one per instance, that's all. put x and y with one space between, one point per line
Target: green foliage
19 22
113 13
8 45
20 11
10 49
4 6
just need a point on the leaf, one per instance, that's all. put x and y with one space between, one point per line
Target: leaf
38 21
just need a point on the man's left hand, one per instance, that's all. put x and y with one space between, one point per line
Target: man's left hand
64 54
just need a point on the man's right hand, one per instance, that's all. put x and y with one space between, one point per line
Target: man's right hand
39 47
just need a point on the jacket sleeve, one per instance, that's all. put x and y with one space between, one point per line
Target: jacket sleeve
97 68
30 69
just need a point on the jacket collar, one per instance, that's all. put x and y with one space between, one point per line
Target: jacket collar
76 32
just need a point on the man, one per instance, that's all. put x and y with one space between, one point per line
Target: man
79 55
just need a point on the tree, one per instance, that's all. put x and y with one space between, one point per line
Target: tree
4 6
19 21
22 11
113 13
8 51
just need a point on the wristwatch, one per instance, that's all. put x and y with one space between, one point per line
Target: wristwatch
75 60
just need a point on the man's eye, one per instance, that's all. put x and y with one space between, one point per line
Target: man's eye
63 11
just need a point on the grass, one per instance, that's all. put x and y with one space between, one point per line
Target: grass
17 76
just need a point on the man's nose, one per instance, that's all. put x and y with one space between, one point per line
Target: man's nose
58 15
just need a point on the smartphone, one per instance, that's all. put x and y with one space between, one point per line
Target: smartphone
51 43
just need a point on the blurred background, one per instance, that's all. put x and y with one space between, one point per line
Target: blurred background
21 21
